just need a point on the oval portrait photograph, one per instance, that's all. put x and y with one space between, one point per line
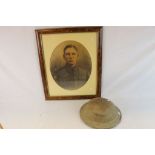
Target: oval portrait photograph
70 65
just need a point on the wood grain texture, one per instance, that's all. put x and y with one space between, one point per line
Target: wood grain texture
39 32
1 127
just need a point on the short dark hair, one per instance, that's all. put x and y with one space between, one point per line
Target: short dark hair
70 46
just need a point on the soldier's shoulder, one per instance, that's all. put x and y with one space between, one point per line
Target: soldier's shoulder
83 71
61 72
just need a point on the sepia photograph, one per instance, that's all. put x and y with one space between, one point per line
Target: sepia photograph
70 65
70 62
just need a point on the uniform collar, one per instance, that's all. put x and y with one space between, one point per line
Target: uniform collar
70 68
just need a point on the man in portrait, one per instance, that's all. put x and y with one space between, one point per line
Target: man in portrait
71 75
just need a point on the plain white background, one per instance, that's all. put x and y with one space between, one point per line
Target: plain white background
127 80
78 13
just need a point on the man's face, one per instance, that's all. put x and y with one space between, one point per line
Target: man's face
71 56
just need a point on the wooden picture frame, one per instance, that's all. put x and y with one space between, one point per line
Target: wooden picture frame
71 62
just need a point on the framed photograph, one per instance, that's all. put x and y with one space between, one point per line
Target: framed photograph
70 62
